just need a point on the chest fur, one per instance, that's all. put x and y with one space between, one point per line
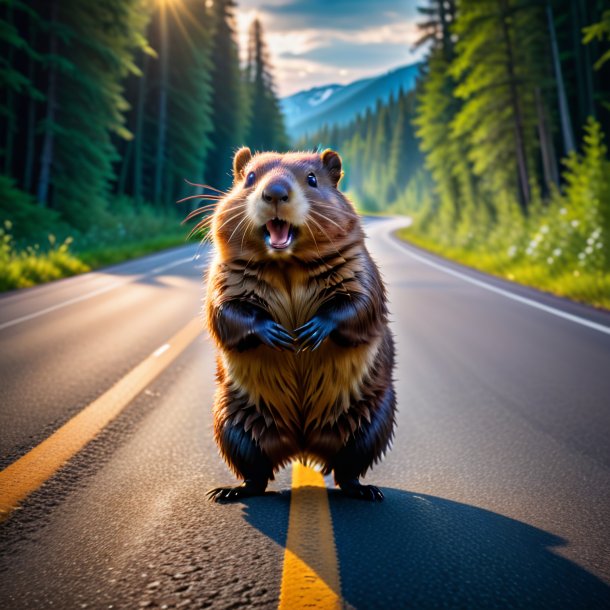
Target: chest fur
304 390
298 389
292 297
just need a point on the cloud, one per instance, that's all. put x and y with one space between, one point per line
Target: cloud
314 42
345 54
336 14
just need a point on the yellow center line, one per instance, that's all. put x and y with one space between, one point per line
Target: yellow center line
29 472
310 578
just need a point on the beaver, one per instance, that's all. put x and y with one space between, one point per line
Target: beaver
298 310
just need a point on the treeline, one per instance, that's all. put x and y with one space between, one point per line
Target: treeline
507 90
109 106
380 148
511 117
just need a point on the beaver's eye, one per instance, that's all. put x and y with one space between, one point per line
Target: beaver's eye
312 180
250 179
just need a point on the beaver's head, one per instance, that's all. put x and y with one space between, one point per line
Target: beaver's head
284 205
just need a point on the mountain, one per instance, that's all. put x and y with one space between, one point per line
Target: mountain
307 111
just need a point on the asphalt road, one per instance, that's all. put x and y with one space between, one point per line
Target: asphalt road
497 487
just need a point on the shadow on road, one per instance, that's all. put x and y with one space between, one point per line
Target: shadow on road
418 551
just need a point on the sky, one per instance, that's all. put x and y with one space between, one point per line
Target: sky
319 42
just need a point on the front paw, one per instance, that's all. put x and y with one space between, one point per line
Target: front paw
312 334
274 335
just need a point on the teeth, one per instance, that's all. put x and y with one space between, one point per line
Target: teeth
279 233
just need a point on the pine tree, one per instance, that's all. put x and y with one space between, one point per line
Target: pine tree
436 109
228 100
87 107
20 25
597 35
266 123
163 92
190 87
496 83
599 31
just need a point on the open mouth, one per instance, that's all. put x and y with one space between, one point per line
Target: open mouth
278 233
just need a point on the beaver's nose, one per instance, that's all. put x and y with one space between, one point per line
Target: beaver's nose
276 192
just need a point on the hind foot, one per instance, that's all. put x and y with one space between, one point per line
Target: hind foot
247 489
354 489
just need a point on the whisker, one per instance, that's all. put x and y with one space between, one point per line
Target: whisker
198 213
327 235
205 223
210 207
229 220
249 226
237 227
200 196
316 244
249 260
206 238
206 186
324 204
198 227
326 218
194 213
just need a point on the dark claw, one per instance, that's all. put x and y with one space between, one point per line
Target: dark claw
276 336
281 332
318 343
354 489
230 494
312 334
283 345
283 340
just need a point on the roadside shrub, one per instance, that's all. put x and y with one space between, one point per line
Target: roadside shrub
31 266
563 246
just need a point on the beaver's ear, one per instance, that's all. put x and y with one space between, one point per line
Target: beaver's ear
240 160
332 163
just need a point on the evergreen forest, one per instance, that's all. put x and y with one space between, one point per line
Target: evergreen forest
108 110
112 111
500 155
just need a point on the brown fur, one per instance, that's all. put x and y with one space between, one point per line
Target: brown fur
308 404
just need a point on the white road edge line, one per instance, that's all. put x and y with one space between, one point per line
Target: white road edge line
161 350
94 293
515 297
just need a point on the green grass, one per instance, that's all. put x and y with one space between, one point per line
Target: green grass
37 246
95 258
586 286
22 267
